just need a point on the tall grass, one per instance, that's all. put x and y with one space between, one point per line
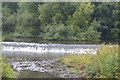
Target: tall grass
102 65
6 72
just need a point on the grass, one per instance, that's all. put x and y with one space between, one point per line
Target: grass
6 70
102 65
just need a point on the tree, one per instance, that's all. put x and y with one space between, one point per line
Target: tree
63 21
81 16
9 18
47 11
27 21
91 34
59 32
107 14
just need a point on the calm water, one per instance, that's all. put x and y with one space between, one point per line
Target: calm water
33 74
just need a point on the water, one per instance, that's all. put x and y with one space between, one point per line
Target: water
20 51
35 74
46 48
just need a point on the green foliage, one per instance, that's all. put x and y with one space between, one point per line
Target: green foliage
102 65
76 61
106 13
76 21
9 20
105 64
59 18
27 21
0 66
81 16
91 34
25 18
23 32
115 33
47 12
69 32
7 72
59 32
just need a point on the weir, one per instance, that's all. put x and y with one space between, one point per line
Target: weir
49 48
31 59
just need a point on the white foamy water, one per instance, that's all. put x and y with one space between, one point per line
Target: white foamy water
52 48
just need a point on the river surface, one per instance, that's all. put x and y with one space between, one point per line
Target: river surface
34 60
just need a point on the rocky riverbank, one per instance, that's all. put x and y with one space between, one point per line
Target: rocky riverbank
48 66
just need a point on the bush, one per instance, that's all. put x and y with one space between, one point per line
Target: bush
7 72
59 32
102 65
105 63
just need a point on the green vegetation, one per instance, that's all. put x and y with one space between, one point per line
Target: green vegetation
86 21
102 65
0 68
6 70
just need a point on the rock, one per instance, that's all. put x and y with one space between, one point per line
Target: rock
50 66
82 67
82 75
59 69
64 69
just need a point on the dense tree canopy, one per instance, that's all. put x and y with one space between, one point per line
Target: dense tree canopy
62 21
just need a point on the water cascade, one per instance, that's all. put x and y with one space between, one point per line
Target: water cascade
52 48
31 59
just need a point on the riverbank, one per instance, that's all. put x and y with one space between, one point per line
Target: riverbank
102 65
6 70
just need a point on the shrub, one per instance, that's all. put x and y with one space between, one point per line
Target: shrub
102 65
7 72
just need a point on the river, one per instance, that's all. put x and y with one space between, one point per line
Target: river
34 60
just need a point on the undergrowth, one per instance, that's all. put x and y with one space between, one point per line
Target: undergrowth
104 64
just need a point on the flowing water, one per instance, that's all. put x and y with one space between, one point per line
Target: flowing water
23 54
